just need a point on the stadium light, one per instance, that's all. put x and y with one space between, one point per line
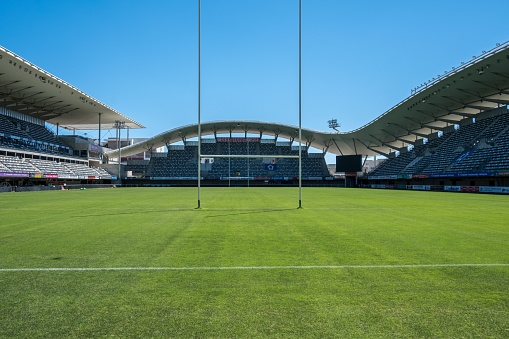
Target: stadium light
119 125
333 123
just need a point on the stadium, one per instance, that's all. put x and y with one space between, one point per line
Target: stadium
103 238
450 134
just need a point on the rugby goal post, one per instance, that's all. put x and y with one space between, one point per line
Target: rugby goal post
200 156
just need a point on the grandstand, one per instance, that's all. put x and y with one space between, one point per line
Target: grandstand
474 150
450 132
34 103
180 161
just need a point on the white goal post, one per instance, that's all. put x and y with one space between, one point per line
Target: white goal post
200 156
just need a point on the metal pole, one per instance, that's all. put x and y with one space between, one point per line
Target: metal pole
116 133
300 104
229 163
247 161
199 102
119 155
99 142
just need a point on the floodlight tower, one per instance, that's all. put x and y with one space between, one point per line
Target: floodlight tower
333 123
119 125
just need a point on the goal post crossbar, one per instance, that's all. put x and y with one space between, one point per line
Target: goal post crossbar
200 156
247 156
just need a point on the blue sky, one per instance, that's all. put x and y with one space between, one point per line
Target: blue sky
359 58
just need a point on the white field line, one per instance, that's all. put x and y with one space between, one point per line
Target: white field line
224 268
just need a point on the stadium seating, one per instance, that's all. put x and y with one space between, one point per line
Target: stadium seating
41 144
19 134
475 145
38 166
181 161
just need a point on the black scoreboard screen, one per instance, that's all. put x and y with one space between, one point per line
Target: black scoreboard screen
349 163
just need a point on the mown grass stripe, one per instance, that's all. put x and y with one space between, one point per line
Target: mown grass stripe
34 269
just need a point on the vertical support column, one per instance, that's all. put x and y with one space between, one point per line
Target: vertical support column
300 103
116 139
229 161
199 102
119 156
99 141
248 159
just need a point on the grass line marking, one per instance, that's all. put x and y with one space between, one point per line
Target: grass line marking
222 268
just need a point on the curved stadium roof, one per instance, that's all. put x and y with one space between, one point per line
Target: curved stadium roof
30 90
477 86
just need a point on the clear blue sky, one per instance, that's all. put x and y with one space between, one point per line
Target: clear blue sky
359 58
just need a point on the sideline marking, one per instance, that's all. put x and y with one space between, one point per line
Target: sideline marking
223 268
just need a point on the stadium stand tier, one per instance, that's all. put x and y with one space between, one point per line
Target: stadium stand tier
476 147
31 153
21 134
181 161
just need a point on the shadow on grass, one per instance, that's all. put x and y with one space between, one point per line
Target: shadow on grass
228 211
131 212
252 211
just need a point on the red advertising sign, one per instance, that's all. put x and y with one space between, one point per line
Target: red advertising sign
238 139
469 188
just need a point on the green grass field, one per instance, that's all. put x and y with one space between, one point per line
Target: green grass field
351 263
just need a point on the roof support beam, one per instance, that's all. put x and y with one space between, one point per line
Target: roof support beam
434 128
422 135
9 83
497 101
416 121
374 150
245 129
327 145
53 105
381 142
500 75
487 85
19 90
448 120
392 135
469 93
409 131
68 111
7 103
463 114
440 107
41 100
406 141
378 152
339 149
32 95
261 129
28 110
481 108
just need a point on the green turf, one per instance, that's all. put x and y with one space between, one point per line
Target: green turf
254 227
